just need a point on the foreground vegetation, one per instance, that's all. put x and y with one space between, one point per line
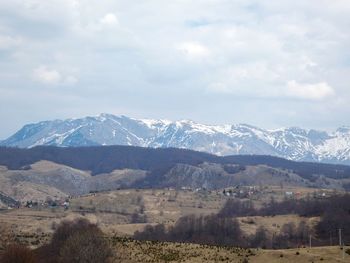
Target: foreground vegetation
76 241
80 241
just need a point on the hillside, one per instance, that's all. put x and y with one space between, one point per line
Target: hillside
57 172
105 159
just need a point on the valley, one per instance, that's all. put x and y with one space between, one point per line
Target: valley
273 203
174 131
120 213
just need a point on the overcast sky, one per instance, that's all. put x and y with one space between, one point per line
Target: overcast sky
266 63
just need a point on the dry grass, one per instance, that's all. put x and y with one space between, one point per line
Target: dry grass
136 251
112 212
303 255
273 224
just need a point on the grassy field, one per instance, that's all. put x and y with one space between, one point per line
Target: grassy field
113 211
136 251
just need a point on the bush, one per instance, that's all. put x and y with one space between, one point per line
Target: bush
85 247
17 254
76 241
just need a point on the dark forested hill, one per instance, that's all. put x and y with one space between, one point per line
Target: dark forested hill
306 170
105 159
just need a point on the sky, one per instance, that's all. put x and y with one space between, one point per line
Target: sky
266 63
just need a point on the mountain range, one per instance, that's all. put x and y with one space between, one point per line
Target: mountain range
291 143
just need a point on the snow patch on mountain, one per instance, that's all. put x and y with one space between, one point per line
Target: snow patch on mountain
106 129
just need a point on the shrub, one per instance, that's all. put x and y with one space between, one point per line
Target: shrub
17 254
85 247
76 241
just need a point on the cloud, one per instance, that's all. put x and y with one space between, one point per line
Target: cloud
70 80
47 76
50 76
316 91
7 42
219 87
222 52
193 50
109 19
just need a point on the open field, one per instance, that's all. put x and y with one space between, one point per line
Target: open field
136 251
28 224
33 224
115 211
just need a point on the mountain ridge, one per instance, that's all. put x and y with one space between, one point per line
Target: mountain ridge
292 143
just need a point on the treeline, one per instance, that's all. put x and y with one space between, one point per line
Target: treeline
223 228
307 170
224 231
211 229
334 212
308 207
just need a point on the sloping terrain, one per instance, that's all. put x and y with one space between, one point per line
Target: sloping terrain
45 179
214 176
105 159
53 172
291 143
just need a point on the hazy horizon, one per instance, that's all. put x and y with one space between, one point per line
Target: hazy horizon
269 64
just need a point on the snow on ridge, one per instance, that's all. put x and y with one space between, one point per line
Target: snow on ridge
335 146
291 143
151 123
57 137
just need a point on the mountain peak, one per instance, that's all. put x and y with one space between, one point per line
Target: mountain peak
107 129
343 129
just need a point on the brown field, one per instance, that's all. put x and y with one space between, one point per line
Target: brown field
135 251
112 211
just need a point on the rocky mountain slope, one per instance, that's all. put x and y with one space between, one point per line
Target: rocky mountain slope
290 143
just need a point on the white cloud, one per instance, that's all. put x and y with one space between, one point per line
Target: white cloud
47 76
241 51
193 50
52 76
307 63
71 80
7 42
109 19
316 91
219 87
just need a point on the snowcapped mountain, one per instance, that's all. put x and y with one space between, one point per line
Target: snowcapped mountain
106 129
